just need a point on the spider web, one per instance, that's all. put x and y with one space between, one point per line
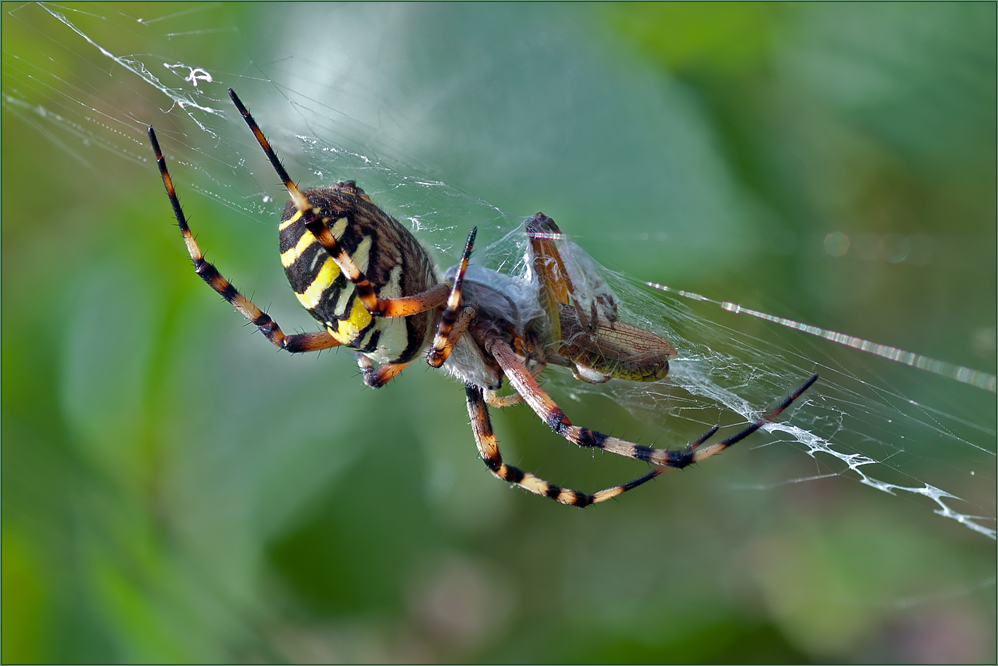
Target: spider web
857 423
89 79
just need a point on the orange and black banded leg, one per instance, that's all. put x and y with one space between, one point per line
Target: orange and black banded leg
694 454
377 377
542 404
318 227
453 320
303 342
485 439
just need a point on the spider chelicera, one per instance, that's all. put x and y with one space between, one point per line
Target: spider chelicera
374 289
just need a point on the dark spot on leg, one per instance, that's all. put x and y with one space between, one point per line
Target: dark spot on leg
591 439
557 421
513 474
229 293
643 453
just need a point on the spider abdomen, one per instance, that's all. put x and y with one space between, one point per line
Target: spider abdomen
391 258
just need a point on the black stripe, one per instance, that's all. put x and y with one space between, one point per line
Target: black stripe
643 453
372 343
680 459
557 421
513 474
495 463
229 293
413 339
348 308
209 274
364 331
591 439
366 290
637 482
291 234
553 491
447 320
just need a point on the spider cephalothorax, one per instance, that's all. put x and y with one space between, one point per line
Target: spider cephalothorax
373 288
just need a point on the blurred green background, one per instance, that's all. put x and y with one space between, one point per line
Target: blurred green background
175 490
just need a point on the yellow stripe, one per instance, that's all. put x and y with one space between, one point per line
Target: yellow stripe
322 281
291 256
351 327
337 229
288 222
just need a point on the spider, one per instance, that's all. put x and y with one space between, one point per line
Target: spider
374 289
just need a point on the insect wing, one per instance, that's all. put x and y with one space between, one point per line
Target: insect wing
583 328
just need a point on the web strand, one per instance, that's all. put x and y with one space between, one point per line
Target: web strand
959 373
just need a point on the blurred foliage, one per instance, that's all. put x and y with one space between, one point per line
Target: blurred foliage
176 491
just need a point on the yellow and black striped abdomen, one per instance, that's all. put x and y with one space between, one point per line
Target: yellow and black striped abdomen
392 259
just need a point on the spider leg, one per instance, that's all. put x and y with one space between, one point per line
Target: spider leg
303 342
550 413
696 455
453 321
443 345
485 439
377 377
317 226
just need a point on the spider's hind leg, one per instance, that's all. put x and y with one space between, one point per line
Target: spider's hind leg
489 449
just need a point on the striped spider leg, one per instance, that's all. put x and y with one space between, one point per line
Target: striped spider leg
300 342
481 425
351 230
549 412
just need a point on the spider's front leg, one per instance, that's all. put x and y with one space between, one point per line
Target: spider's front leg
318 226
454 321
303 342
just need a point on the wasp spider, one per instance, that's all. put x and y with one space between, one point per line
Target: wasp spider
374 289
